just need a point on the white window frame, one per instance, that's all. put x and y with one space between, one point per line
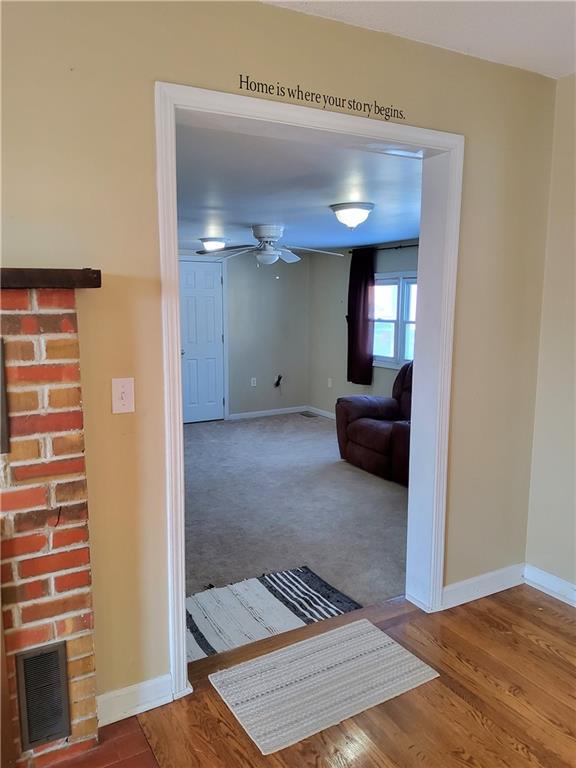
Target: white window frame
402 280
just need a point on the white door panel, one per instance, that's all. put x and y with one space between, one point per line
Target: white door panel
202 341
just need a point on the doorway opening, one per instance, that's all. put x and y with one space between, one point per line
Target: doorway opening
440 158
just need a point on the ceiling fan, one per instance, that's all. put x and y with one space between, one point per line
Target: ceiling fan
268 251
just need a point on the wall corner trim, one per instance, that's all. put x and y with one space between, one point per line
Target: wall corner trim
482 586
550 584
419 604
126 702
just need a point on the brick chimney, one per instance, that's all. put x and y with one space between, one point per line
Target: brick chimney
45 550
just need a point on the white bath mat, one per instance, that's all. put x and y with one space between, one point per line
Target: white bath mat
297 691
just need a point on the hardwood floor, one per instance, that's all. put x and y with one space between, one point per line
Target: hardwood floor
198 671
122 745
505 697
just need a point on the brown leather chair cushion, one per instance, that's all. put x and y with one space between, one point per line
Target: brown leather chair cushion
371 433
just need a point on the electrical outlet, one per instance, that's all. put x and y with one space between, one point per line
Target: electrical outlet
123 396
329 383
253 381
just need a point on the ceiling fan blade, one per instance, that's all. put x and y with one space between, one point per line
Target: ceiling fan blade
288 256
204 252
235 252
316 250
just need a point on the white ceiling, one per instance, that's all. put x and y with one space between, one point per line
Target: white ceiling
534 35
230 179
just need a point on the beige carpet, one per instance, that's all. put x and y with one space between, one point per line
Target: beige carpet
290 694
272 494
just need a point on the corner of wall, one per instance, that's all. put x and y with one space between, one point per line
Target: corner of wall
551 519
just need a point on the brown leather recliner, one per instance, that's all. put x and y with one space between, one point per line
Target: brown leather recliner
374 432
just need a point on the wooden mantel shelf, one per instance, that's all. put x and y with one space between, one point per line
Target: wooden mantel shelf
17 277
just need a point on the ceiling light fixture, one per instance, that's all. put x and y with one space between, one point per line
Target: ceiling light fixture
352 214
213 243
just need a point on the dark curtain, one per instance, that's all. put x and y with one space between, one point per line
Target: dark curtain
360 316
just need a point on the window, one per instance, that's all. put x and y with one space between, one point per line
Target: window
394 318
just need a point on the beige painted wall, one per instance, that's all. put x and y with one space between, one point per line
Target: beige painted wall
79 190
551 541
268 334
291 319
328 327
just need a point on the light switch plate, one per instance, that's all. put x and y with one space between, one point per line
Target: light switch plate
122 395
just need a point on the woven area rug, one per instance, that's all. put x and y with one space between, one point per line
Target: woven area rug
290 694
223 618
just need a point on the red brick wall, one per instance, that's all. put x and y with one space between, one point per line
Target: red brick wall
46 581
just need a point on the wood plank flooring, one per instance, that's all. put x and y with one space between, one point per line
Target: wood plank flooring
122 745
505 698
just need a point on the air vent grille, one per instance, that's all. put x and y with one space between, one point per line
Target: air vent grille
43 694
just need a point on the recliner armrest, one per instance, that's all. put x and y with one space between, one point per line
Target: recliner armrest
353 407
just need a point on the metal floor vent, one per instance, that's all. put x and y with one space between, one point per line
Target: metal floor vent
309 414
43 694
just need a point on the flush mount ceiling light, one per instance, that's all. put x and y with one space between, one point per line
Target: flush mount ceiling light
213 243
352 214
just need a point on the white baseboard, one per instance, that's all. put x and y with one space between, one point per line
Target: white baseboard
272 412
279 412
482 586
125 702
418 603
320 412
550 584
186 692
505 578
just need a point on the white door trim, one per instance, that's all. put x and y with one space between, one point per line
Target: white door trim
438 244
225 331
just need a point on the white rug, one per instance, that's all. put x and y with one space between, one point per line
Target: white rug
290 694
223 618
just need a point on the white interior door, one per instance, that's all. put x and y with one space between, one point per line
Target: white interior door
202 341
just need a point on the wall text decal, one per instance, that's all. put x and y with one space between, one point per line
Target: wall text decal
324 100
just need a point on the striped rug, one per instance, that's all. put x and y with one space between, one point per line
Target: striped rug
223 618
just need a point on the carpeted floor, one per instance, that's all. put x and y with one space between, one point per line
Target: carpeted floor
271 494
